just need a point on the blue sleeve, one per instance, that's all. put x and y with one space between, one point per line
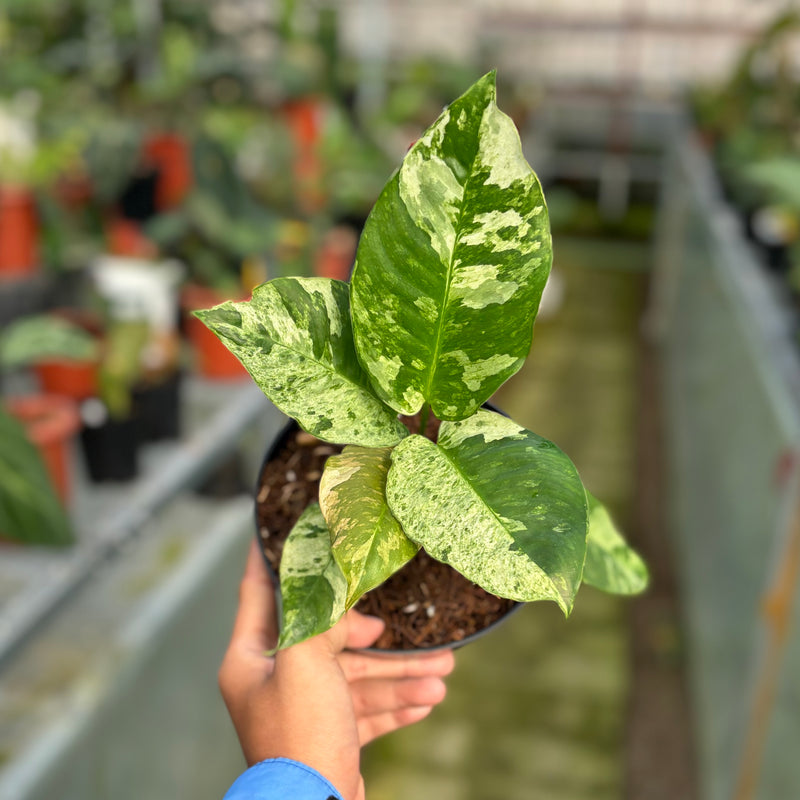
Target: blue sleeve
281 779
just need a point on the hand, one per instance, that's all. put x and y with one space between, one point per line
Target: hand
315 702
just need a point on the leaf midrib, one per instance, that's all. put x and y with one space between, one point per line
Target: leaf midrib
450 272
474 492
372 547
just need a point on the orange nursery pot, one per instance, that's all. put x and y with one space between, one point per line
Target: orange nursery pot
124 237
304 119
171 155
50 422
68 378
213 359
336 253
18 232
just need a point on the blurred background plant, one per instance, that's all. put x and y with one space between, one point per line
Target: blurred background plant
751 123
30 510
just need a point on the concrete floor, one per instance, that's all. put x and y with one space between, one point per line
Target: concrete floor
538 708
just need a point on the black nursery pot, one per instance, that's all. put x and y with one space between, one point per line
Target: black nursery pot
110 450
137 201
278 443
158 409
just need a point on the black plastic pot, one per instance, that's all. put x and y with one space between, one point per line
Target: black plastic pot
278 443
110 450
158 409
137 201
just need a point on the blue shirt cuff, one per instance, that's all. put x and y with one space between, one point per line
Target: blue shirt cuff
281 779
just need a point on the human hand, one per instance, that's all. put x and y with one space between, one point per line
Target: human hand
316 702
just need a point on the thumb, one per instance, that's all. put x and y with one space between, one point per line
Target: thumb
352 631
255 626
362 631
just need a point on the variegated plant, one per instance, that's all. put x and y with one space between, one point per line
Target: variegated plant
439 313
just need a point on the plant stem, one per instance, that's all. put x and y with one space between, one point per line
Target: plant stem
423 418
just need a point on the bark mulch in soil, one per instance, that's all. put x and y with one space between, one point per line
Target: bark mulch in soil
425 604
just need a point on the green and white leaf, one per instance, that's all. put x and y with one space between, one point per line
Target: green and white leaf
368 543
452 263
313 589
295 338
503 506
611 564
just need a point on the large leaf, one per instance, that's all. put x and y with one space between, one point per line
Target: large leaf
313 588
368 543
294 337
611 565
452 263
500 504
30 510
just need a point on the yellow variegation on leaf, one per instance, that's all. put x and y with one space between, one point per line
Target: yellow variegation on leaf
498 503
295 338
452 263
368 543
448 277
313 588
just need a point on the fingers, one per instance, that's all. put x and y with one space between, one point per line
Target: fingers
255 626
385 705
370 728
358 666
382 695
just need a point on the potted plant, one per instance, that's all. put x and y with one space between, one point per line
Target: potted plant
170 152
50 421
31 511
438 314
111 431
123 399
30 158
65 359
218 229
64 356
143 344
775 223
18 223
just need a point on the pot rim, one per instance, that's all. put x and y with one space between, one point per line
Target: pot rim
48 418
277 443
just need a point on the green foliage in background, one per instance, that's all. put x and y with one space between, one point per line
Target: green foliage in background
119 356
218 225
754 115
44 336
30 511
122 365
